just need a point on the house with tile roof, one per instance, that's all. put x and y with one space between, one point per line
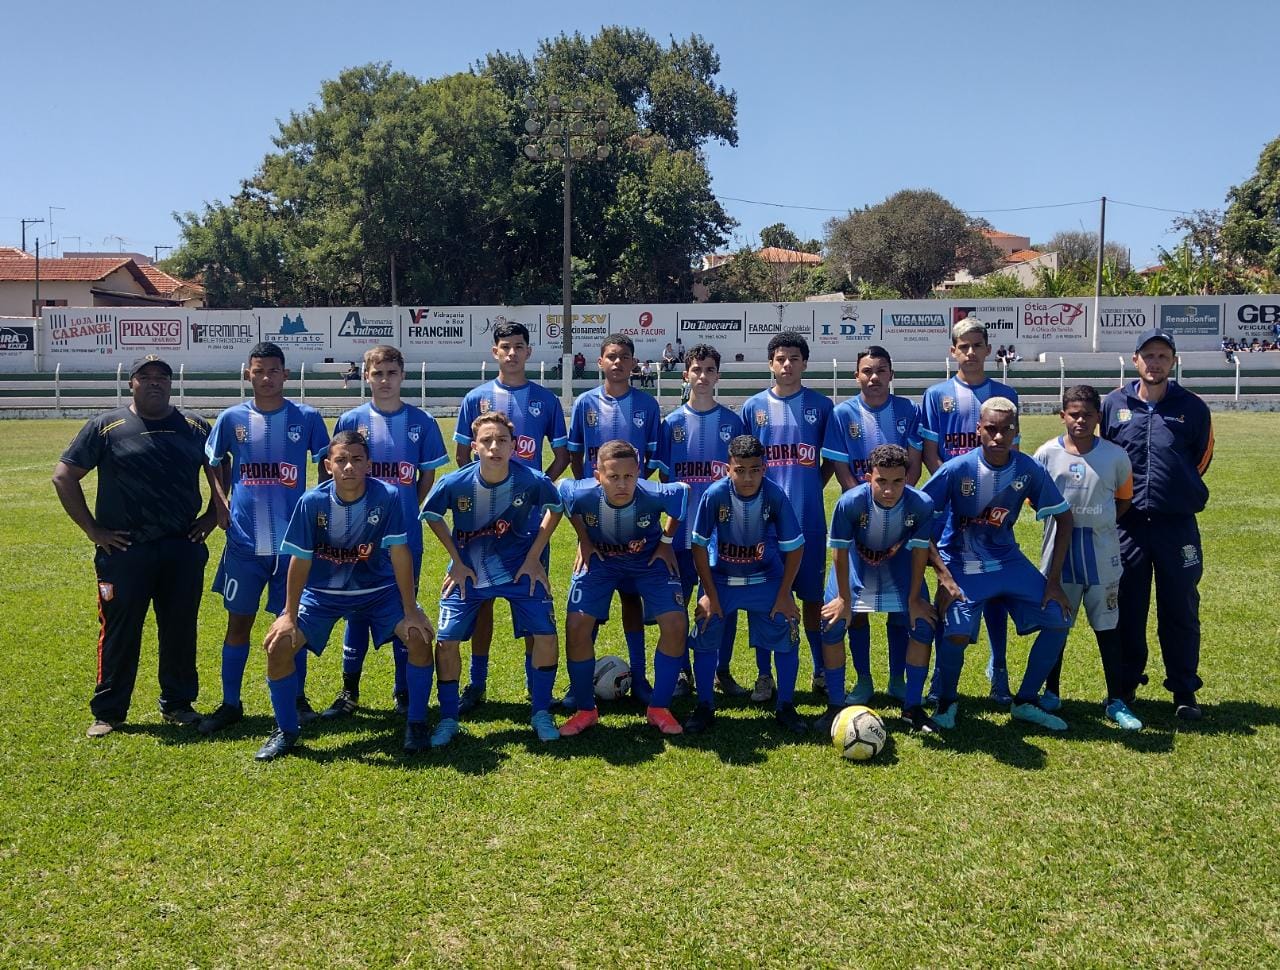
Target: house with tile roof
87 281
1017 259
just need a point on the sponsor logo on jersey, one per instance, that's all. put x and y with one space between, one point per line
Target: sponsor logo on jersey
341 556
295 433
535 409
738 552
992 515
268 473
635 545
791 454
106 592
677 433
525 446
499 527
393 472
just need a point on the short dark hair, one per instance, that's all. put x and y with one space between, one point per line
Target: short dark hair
615 449
887 456
383 354
1082 392
492 417
701 352
746 446
505 331
789 338
621 340
265 349
875 352
349 438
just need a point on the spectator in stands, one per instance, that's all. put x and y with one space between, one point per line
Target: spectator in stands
579 364
668 357
680 346
647 376
1228 350
352 373
1012 356
1254 347
1002 355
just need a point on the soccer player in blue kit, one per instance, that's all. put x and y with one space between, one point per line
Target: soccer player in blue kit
746 522
976 499
857 427
537 416
880 533
405 449
495 549
350 561
949 427
261 447
791 422
693 447
623 546
614 411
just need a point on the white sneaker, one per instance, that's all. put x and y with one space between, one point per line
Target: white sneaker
764 689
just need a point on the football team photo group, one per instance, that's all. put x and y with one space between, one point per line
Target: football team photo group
685 529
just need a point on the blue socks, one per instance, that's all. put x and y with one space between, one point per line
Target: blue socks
898 637
419 690
480 671
635 654
835 684
996 616
582 682
528 672
448 693
947 667
400 654
284 702
1045 652
815 649
704 675
355 644
860 650
915 686
788 664
234 659
726 643
665 671
300 670
763 664
542 682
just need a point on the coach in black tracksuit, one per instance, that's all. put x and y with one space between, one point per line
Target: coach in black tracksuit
150 537
1168 433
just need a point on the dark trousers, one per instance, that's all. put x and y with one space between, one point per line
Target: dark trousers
1168 548
168 573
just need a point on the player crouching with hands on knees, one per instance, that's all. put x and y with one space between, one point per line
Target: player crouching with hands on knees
623 546
350 561
495 549
888 524
747 523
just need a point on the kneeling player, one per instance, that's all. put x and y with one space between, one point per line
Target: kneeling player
977 498
888 523
622 546
746 521
350 562
495 553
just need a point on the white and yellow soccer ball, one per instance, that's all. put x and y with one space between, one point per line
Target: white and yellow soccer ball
858 733
612 678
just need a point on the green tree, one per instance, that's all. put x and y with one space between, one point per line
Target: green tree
1251 229
743 278
781 236
910 242
1079 250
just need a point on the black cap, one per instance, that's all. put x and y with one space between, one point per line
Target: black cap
1155 334
142 362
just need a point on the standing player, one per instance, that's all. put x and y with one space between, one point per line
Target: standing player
1168 433
350 561
267 441
537 417
1095 476
405 449
693 447
857 427
747 523
888 524
949 427
623 546
614 411
977 498
495 550
791 422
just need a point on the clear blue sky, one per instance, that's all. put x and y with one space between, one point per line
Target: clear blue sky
120 115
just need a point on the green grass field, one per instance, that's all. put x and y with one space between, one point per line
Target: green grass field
999 845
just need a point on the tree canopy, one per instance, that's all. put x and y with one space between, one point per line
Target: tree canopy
1251 229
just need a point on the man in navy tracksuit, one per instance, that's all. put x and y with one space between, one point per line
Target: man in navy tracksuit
1168 433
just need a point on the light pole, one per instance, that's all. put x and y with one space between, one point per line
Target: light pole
568 130
25 223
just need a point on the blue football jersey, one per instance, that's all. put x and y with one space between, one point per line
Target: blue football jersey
880 541
493 525
631 532
949 414
693 447
792 430
534 410
400 446
598 418
855 430
977 505
268 453
745 538
347 543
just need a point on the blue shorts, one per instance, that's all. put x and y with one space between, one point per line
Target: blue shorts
765 630
811 578
591 592
1018 585
921 632
319 611
241 578
531 616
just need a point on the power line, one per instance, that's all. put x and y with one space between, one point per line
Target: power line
816 208
1153 208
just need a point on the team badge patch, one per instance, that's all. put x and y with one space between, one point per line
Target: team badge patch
761 419
484 405
535 409
322 521
678 597
901 425
968 487
374 516
864 520
811 415
1019 483
765 513
677 433
637 420
855 430
909 521
1113 600
363 431
723 514
295 433
726 432
1190 555
518 500
464 503
415 432
590 519
106 592
1076 469
1123 415
948 404
242 433
643 522
592 418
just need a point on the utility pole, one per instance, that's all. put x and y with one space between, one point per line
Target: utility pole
25 223
53 239
156 250
1097 280
35 306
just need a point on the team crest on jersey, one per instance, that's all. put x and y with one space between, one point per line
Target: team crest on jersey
677 433
811 415
968 487
1123 415
590 519
592 418
643 522
637 420
242 433
909 521
948 404
535 409
726 432
679 597
901 425
106 592
1113 600
363 431
864 520
1076 470
518 500
415 432
761 419
1019 483
724 513
855 429
295 433
464 503
484 405
322 521
1190 555
374 516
